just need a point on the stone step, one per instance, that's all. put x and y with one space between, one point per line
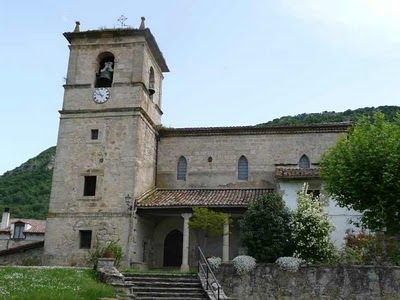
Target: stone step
172 298
188 295
171 289
165 284
161 279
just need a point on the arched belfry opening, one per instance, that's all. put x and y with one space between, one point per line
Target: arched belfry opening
105 72
173 249
151 83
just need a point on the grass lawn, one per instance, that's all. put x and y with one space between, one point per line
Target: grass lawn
51 283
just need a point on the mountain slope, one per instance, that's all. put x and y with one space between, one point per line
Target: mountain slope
331 116
26 189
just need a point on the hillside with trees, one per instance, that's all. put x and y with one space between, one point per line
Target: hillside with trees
26 189
332 116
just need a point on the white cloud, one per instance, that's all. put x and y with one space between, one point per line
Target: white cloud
373 23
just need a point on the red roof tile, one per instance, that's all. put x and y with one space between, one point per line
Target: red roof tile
38 226
296 173
201 197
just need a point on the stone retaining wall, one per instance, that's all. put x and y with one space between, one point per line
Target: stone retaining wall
267 281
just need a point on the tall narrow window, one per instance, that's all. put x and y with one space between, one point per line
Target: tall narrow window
89 188
182 168
151 83
304 162
243 168
19 228
105 74
85 239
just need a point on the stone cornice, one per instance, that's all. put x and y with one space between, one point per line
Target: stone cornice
139 110
253 130
146 33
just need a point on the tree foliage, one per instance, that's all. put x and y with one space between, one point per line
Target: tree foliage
207 222
26 189
332 116
311 229
362 172
265 229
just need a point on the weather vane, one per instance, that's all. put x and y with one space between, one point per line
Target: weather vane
122 20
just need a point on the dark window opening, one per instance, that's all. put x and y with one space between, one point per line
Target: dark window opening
95 134
182 168
90 186
105 74
304 162
19 231
243 168
85 237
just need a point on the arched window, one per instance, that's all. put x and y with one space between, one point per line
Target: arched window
105 73
151 82
182 168
243 168
304 162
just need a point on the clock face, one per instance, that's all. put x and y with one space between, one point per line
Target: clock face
101 95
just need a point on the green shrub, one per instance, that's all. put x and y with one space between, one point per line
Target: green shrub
111 249
265 229
366 248
311 230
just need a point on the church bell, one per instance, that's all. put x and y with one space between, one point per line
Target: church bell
105 76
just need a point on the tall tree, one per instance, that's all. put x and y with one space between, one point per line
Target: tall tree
362 172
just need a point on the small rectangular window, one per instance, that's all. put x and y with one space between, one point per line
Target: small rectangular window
85 237
19 231
95 134
90 186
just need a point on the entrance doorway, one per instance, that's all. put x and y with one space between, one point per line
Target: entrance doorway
173 249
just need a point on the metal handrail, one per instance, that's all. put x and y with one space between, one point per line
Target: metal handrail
207 272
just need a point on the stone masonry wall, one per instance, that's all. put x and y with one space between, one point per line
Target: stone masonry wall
267 281
263 152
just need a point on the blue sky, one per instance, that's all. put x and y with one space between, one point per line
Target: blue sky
231 62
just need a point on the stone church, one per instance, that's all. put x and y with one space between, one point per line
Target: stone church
120 175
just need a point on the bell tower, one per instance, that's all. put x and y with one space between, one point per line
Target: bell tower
106 148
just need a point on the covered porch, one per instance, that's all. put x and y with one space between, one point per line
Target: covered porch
162 237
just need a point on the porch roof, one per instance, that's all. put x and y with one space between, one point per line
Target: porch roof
173 198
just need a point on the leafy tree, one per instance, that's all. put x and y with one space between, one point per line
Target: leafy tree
362 172
206 223
311 229
265 229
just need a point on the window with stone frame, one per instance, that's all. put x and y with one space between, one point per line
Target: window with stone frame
19 228
181 169
243 168
304 162
89 188
85 239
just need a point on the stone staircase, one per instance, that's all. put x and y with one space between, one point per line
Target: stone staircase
164 286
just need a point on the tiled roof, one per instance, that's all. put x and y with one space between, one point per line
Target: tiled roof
296 173
22 248
201 197
38 226
251 130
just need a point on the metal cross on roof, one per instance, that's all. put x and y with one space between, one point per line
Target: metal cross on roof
122 20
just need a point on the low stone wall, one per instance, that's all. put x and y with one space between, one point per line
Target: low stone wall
267 281
29 257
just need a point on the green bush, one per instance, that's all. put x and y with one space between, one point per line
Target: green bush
111 249
311 229
365 248
265 229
